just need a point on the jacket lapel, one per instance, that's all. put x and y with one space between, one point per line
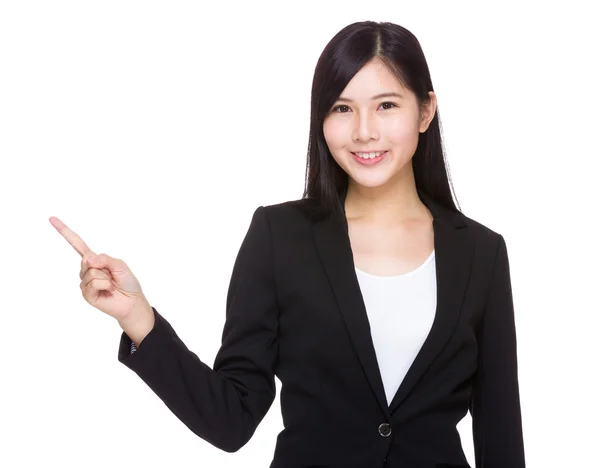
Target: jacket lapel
453 253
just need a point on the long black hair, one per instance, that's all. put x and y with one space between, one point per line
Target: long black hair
326 183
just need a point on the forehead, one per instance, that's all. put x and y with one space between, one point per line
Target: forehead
373 78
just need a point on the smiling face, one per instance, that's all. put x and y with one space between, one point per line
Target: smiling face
375 113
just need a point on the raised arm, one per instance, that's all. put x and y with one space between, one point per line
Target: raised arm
223 405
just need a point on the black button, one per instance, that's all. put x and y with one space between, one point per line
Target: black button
385 430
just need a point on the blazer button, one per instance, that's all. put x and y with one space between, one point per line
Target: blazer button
385 430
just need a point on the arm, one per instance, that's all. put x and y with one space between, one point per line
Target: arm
495 405
223 405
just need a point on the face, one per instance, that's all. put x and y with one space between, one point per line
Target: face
361 121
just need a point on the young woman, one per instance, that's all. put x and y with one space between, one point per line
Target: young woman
385 312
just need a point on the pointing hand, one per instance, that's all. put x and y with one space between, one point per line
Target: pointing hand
107 283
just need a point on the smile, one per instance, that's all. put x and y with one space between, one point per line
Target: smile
368 159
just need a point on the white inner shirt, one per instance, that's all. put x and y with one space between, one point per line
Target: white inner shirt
401 310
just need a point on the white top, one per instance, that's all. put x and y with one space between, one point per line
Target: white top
401 310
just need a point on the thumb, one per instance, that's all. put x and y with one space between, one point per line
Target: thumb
114 265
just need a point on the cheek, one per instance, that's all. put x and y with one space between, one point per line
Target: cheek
336 138
400 130
335 134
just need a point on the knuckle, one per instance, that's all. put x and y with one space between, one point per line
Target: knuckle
87 276
94 273
86 256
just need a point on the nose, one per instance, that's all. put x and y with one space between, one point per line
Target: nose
365 128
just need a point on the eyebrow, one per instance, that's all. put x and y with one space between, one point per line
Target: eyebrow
378 96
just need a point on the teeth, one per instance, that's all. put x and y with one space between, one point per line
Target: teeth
369 155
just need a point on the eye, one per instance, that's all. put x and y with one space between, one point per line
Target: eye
335 108
339 107
388 102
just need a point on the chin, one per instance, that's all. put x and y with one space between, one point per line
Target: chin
371 182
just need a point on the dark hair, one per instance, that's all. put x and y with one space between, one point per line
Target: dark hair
350 49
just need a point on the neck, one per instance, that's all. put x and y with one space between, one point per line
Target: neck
385 206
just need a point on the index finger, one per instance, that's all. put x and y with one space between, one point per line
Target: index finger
72 238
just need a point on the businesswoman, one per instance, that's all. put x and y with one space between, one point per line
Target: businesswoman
385 312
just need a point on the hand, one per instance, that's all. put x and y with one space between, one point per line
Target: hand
107 283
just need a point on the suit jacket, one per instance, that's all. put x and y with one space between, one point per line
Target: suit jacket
294 310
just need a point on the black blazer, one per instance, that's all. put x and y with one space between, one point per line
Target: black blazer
295 310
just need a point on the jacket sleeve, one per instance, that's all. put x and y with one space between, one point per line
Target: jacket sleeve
223 405
495 404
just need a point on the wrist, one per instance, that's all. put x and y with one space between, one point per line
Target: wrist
138 323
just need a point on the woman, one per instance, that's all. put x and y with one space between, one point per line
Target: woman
385 312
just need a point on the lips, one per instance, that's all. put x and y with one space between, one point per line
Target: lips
369 162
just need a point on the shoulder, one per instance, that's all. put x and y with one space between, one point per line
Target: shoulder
487 241
300 211
479 229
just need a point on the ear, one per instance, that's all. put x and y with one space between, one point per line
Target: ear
428 112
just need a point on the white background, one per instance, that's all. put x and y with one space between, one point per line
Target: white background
155 129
